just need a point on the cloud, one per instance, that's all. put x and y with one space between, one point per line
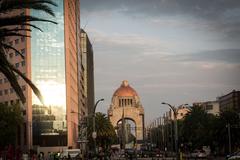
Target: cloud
220 55
204 8
222 16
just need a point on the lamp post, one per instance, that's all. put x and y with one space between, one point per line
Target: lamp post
175 113
94 134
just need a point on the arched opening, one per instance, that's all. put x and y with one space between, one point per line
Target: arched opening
126 132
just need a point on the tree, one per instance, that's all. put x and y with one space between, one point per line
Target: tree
232 118
8 22
10 120
105 131
197 128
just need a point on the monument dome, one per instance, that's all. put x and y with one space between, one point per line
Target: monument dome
126 105
125 90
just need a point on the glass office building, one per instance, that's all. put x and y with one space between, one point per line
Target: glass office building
53 62
48 73
54 69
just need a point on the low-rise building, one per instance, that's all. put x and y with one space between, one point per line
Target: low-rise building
211 107
230 101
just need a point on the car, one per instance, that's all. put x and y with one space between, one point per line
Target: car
199 154
235 155
121 154
70 153
130 153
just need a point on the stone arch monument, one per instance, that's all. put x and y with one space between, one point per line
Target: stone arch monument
126 105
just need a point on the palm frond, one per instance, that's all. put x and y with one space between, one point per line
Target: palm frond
31 25
21 19
9 74
8 70
10 47
8 21
10 5
30 83
10 34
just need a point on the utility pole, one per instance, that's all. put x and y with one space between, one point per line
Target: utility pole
229 138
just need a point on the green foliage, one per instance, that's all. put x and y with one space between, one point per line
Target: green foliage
10 119
202 129
8 24
105 132
195 127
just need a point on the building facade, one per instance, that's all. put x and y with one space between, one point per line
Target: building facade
88 72
230 101
86 80
211 107
52 61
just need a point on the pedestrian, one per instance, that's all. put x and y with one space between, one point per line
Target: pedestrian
18 153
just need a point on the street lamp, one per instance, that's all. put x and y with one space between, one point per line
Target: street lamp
175 125
94 134
175 113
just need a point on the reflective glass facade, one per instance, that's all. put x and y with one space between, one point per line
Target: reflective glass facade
48 73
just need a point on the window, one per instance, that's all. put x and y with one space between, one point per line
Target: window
23 63
5 80
22 27
0 92
209 107
11 102
16 53
17 65
11 90
5 91
10 55
23 51
22 39
16 41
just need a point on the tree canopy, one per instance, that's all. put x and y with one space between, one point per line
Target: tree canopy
105 131
10 120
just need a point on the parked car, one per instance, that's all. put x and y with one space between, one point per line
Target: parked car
70 153
122 154
130 153
199 154
235 156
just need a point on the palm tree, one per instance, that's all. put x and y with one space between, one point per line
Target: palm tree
105 131
7 24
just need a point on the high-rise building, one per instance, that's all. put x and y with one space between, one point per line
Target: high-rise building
88 72
230 101
52 61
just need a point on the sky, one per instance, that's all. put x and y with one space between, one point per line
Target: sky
174 51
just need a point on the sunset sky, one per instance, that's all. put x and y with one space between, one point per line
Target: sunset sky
175 51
